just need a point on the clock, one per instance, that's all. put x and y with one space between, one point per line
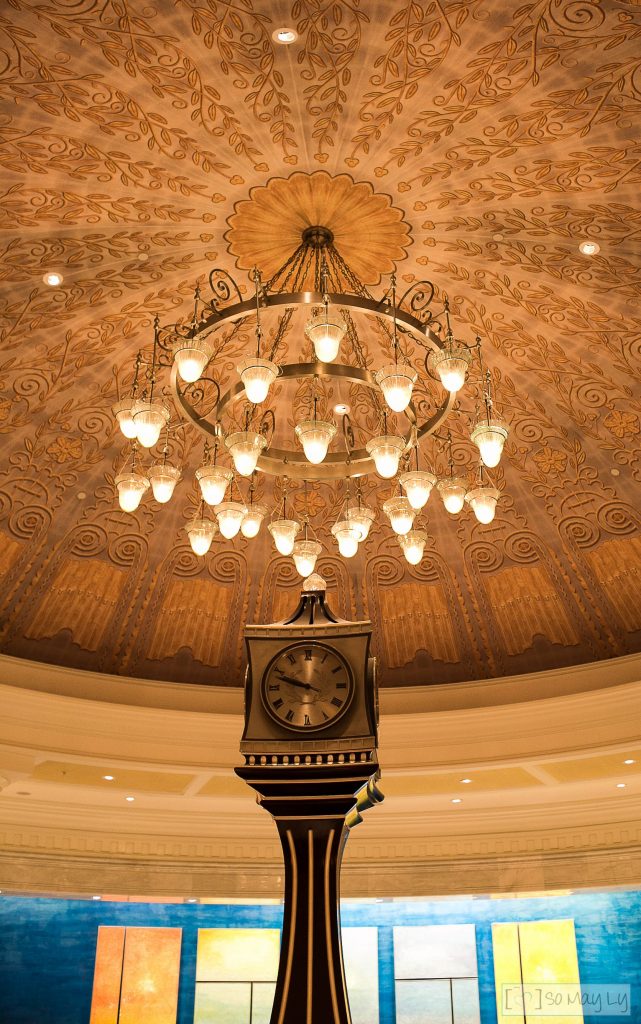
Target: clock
307 686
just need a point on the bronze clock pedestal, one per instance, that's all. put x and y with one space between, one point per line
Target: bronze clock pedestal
314 781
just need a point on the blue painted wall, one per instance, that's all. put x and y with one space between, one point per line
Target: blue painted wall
47 946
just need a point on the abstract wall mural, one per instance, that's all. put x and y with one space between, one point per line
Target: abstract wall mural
436 973
136 976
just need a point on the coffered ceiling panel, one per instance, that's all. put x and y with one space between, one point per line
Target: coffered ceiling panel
471 142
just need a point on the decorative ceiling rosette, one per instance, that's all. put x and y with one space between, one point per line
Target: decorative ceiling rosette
369 231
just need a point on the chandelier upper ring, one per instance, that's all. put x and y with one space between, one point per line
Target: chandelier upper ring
356 303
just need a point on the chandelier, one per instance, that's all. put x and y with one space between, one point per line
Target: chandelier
242 436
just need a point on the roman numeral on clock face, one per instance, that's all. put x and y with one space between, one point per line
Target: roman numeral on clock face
289 716
278 703
337 702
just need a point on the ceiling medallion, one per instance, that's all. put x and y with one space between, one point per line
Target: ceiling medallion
240 425
368 231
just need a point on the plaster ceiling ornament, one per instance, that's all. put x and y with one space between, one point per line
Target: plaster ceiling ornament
496 146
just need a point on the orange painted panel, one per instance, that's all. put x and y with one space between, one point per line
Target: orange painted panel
150 974
105 999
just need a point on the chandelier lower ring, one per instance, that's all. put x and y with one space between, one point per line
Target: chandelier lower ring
293 464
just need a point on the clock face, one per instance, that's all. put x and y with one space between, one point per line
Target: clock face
307 686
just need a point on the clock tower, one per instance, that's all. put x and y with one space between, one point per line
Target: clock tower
310 752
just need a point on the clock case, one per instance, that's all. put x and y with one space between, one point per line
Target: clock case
353 737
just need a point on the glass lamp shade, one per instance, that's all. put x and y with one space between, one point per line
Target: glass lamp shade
489 436
315 437
192 356
386 451
245 447
413 545
257 376
483 501
123 412
213 481
347 535
305 553
131 487
417 485
163 481
450 365
396 383
326 333
400 514
230 516
201 533
149 419
253 520
362 518
284 533
452 490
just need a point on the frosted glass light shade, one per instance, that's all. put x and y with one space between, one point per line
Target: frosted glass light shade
230 515
163 481
400 514
315 437
452 490
450 365
213 481
192 356
123 412
149 419
362 518
257 376
483 501
305 553
326 333
489 436
284 533
253 520
417 485
386 450
347 535
245 447
131 487
201 534
396 383
413 545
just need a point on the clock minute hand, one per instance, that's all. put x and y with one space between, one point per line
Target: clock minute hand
297 682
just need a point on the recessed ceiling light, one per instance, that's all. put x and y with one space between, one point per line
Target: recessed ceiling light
629 760
108 778
192 899
589 248
52 278
96 898
456 800
620 785
285 35
465 781
130 799
342 409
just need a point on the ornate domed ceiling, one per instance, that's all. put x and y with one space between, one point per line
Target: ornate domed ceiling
472 142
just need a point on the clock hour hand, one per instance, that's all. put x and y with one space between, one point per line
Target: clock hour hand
297 682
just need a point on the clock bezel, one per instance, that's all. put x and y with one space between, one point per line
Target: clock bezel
306 729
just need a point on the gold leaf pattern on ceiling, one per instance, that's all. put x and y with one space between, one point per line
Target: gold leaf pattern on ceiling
134 139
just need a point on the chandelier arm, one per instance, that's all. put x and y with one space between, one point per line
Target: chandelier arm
421 300
222 284
283 324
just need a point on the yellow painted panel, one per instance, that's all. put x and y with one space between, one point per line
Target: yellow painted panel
237 954
507 966
536 953
150 975
107 974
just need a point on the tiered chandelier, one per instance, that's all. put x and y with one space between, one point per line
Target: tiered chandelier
318 280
